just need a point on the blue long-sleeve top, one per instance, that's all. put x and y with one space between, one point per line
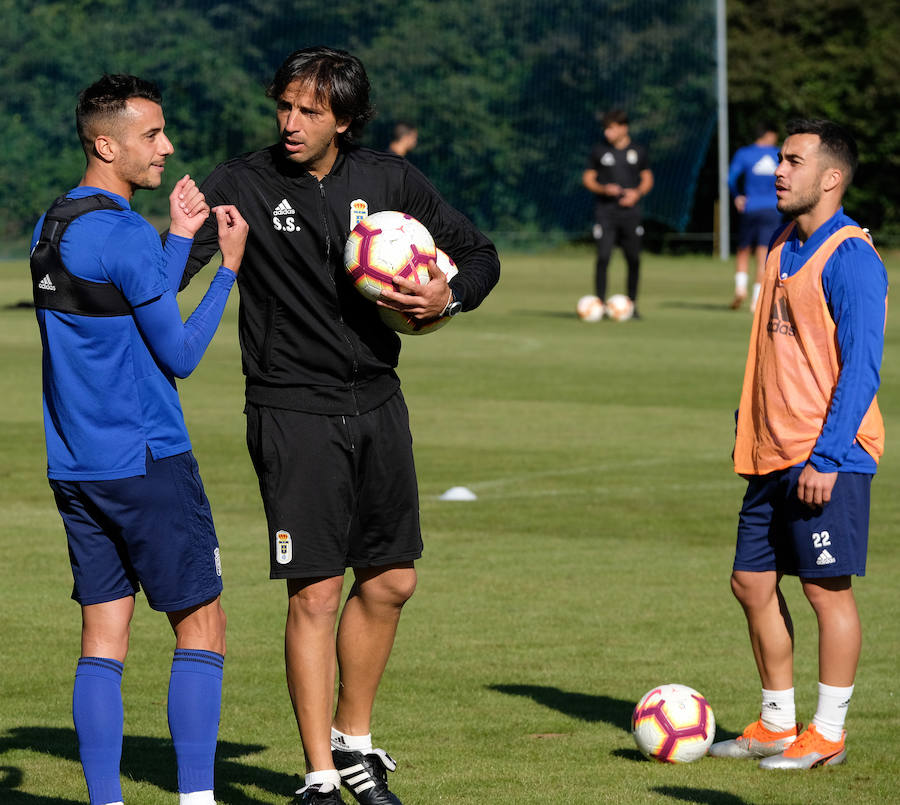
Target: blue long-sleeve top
751 173
855 285
179 347
109 388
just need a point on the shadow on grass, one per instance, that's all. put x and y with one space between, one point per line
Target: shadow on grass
150 760
587 707
11 778
634 755
702 795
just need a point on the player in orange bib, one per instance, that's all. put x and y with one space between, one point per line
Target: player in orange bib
809 437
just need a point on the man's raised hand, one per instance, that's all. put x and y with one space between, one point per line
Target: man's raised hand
187 208
233 231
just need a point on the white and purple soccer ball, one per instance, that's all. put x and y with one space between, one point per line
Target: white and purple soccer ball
386 245
407 325
673 724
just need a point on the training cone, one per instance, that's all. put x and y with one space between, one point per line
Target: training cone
459 493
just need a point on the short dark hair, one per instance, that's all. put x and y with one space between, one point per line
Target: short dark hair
619 116
106 99
836 141
764 127
402 128
338 79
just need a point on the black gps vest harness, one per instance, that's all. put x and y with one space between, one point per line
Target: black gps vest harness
55 288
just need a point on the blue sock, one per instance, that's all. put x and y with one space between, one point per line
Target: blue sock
195 702
97 713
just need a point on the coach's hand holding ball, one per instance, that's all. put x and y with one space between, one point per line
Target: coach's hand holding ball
392 260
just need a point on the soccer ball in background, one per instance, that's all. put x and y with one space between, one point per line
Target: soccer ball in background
385 245
619 307
673 724
402 323
589 308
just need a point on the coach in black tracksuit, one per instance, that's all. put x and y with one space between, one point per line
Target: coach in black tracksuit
327 427
619 176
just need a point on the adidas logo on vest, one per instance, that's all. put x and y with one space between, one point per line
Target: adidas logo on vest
45 284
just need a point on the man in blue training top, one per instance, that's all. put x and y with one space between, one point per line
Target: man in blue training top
751 180
118 455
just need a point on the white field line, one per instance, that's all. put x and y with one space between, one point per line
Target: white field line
500 487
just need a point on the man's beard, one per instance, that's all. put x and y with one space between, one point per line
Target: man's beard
796 207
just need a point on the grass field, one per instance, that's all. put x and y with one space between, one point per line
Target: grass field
593 565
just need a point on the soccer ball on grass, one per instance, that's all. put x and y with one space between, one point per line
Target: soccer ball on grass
619 307
673 724
589 308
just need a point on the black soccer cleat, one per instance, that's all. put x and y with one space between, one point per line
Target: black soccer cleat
365 775
313 795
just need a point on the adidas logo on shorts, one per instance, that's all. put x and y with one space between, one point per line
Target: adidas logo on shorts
825 558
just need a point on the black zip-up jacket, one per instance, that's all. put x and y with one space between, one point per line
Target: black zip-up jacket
309 340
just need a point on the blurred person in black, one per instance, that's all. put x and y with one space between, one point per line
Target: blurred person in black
405 138
619 176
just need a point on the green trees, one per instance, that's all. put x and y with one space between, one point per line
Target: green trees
505 93
825 58
54 48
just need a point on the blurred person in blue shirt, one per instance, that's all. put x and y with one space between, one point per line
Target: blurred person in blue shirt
751 180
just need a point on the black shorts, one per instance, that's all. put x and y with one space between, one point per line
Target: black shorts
338 491
622 224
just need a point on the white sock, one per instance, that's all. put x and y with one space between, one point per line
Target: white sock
329 779
754 296
351 743
196 798
740 283
831 711
777 711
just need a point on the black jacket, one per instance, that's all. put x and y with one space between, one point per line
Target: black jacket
309 340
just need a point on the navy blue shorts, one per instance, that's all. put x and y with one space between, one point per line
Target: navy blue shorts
756 228
777 531
338 491
153 531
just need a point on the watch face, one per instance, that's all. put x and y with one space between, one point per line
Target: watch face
453 308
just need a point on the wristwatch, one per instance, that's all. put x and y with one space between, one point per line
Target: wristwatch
454 306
